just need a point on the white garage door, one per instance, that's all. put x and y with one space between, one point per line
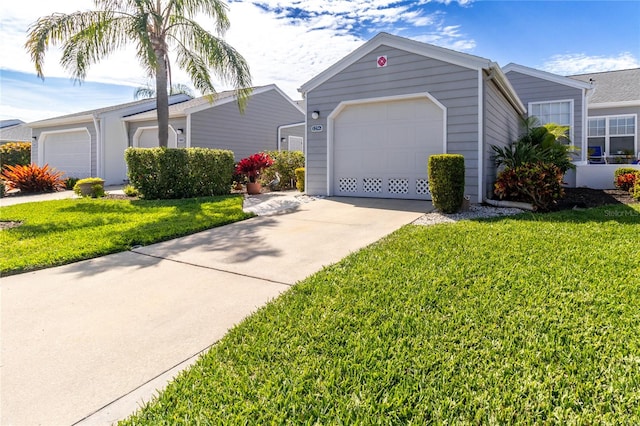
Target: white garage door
68 152
148 138
381 149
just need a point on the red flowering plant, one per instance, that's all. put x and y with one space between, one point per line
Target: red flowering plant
253 165
626 181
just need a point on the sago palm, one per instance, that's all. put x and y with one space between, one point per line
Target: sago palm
154 27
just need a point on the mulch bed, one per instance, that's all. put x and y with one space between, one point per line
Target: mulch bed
586 198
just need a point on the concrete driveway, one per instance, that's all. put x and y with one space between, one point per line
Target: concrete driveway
87 343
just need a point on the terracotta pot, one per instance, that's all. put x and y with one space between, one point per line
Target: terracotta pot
253 188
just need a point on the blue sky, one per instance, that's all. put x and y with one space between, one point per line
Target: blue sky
288 42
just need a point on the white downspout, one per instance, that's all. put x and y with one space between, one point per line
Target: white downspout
99 165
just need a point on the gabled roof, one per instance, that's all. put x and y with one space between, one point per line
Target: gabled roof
199 104
613 88
16 133
546 76
10 123
402 43
89 115
424 49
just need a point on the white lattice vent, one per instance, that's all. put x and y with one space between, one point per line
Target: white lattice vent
348 185
422 187
372 185
398 186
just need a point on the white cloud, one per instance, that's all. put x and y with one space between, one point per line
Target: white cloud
286 42
581 63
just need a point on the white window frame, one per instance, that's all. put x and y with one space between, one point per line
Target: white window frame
607 135
571 114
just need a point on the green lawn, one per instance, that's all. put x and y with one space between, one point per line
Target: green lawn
533 319
64 231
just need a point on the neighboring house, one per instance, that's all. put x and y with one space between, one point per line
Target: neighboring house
375 117
89 143
601 111
14 131
92 143
270 116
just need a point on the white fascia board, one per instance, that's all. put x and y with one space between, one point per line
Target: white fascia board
566 81
621 104
446 55
78 119
507 89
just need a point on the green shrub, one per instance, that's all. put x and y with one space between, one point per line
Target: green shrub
168 173
624 170
537 183
284 163
130 191
1 188
300 179
636 188
70 182
89 187
15 154
32 178
446 181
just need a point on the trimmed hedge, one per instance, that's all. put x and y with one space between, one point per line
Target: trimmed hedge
284 163
300 179
446 181
169 173
15 154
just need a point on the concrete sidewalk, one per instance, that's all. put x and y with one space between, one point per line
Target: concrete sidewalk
87 343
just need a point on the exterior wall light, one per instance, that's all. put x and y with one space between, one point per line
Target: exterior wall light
315 115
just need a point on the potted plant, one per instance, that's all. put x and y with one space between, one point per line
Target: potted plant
251 168
89 187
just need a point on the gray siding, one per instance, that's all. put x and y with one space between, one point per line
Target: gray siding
533 89
87 125
454 86
223 127
601 112
501 126
292 131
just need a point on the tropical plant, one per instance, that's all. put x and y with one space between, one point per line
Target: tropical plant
90 187
548 144
537 183
252 166
32 178
627 181
154 27
147 92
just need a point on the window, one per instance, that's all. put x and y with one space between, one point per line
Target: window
615 134
558 112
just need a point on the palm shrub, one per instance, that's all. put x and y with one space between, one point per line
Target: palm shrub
446 181
547 144
32 178
285 164
15 153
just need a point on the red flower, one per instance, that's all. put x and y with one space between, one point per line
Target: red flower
253 165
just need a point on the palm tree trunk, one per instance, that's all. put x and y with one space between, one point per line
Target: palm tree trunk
162 100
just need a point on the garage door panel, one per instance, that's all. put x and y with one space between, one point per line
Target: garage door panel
68 152
381 149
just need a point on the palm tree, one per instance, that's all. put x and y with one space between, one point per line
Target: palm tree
153 27
146 91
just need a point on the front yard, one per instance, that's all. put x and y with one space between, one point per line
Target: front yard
533 319
53 233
